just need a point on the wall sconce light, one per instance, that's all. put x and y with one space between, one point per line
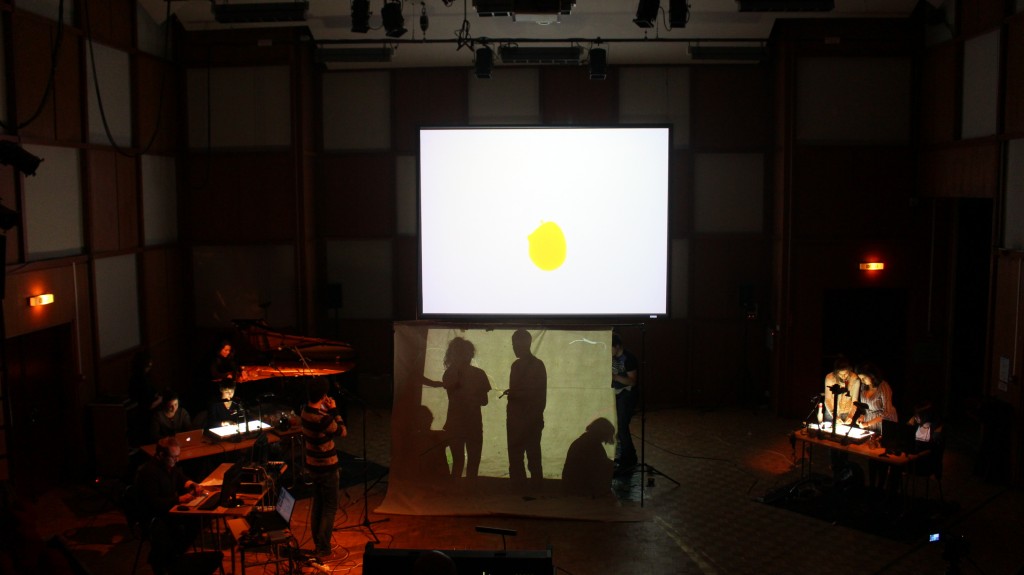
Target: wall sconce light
41 299
394 22
872 266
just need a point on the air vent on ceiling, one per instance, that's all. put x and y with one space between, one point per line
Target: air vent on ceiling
786 5
540 55
261 12
526 10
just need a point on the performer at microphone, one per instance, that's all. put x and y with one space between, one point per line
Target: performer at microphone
225 411
842 388
876 394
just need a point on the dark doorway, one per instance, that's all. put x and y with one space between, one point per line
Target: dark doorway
867 324
42 394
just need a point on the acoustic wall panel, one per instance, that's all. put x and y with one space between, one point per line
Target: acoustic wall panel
680 278
244 282
117 304
510 96
151 28
114 78
364 269
656 95
406 196
52 209
357 111
853 100
1013 217
159 200
249 107
3 77
980 86
728 193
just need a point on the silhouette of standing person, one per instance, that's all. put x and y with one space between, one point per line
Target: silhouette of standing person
467 387
527 396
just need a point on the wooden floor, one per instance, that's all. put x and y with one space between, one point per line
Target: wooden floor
715 500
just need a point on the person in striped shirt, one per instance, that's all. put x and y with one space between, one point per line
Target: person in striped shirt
321 423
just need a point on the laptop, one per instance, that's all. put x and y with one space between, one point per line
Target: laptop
275 524
898 437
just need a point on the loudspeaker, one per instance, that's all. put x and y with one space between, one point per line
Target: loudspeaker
334 296
647 13
391 561
484 62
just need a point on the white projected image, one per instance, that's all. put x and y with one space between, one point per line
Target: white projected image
544 221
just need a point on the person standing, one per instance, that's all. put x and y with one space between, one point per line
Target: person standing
876 395
527 397
842 389
321 423
467 386
625 377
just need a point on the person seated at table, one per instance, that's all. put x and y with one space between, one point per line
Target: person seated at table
161 485
225 411
171 418
877 405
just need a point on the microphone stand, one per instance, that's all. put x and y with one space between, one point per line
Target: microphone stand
836 390
366 523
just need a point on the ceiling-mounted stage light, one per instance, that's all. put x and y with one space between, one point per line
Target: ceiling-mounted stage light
598 63
424 19
484 62
678 13
647 13
12 154
360 16
394 22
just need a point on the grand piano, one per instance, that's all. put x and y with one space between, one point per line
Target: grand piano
275 354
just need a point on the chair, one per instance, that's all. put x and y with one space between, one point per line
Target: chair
139 524
930 466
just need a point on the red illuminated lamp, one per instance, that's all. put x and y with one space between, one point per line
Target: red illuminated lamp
872 266
39 300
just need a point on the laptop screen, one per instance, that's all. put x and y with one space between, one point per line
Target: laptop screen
285 505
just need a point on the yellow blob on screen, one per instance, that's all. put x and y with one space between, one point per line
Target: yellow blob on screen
547 246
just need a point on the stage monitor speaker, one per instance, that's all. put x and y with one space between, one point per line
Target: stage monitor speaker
391 561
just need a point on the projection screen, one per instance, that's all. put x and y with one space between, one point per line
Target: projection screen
578 394
544 222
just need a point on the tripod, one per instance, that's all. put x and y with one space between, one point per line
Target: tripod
647 471
365 523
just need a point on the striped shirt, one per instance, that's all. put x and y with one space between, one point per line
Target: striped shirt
319 427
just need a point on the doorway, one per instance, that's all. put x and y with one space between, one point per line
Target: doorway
41 430
867 324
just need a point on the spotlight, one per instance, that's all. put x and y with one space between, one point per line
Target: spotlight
678 13
647 13
598 64
360 16
484 62
12 154
424 19
394 22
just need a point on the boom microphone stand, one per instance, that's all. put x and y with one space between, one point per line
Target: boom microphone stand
647 471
